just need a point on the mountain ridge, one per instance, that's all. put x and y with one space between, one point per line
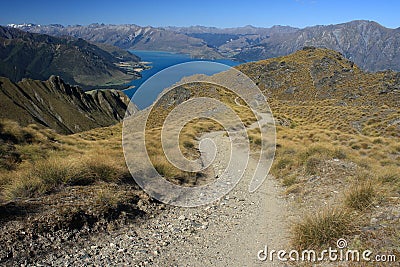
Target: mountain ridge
317 74
370 45
38 56
131 36
60 106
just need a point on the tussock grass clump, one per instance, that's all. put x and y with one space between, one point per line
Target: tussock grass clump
291 157
339 154
390 175
289 180
11 131
98 167
108 198
312 165
52 172
43 177
319 151
321 228
20 185
164 167
50 175
255 137
283 163
173 174
9 157
360 196
33 152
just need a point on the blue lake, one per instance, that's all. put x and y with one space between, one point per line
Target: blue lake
160 63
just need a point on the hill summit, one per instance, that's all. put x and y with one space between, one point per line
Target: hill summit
319 74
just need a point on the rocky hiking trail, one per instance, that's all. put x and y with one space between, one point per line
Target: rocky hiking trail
227 232
237 227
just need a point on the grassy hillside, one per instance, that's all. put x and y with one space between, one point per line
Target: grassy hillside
318 74
338 152
59 106
66 187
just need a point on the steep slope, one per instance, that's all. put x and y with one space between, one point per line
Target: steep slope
319 74
132 37
37 56
57 105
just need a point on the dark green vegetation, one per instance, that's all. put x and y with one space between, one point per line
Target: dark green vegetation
59 106
38 56
370 45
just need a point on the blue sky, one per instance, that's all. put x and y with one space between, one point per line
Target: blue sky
296 13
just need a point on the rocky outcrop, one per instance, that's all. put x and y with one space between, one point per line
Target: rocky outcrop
60 106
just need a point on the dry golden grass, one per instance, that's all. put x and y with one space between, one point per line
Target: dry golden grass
49 175
309 134
20 185
360 196
188 142
311 137
190 133
337 137
49 161
324 227
255 139
108 198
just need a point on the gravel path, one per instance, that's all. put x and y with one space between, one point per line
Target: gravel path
238 226
227 232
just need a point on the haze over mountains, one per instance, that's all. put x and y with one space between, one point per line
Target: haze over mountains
367 43
130 37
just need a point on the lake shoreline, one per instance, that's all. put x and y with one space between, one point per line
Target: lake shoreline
160 60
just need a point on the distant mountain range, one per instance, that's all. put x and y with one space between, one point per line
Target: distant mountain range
38 56
130 37
60 106
370 45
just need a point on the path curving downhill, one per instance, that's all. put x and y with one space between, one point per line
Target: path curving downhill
227 232
237 226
